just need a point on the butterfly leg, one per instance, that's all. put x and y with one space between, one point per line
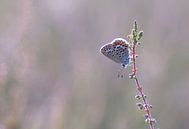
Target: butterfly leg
120 73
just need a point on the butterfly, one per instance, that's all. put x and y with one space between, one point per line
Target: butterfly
118 51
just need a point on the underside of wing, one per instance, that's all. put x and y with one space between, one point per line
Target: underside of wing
108 51
118 51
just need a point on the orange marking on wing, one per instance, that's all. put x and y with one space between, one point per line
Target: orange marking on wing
120 42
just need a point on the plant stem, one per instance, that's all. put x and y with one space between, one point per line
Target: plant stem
139 87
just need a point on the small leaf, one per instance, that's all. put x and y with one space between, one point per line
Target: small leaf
139 36
132 76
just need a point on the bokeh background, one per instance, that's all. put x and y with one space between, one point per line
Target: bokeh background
52 75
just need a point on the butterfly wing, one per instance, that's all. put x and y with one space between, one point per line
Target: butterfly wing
118 51
121 53
109 51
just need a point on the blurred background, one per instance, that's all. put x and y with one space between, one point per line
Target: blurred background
52 75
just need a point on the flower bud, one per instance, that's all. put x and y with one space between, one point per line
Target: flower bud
147 120
138 97
140 106
153 120
138 43
146 116
130 37
144 95
150 120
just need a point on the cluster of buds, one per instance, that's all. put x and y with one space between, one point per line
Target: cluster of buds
135 36
138 97
145 107
149 120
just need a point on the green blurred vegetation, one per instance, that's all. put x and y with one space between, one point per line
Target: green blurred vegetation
52 75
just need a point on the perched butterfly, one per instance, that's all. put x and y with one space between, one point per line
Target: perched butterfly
118 51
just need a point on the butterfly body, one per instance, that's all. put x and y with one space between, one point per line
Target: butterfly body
118 51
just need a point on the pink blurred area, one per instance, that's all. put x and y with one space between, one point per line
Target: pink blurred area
52 75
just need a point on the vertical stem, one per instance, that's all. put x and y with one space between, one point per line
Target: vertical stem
139 87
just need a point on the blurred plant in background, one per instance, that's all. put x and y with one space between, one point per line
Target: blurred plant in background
52 77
